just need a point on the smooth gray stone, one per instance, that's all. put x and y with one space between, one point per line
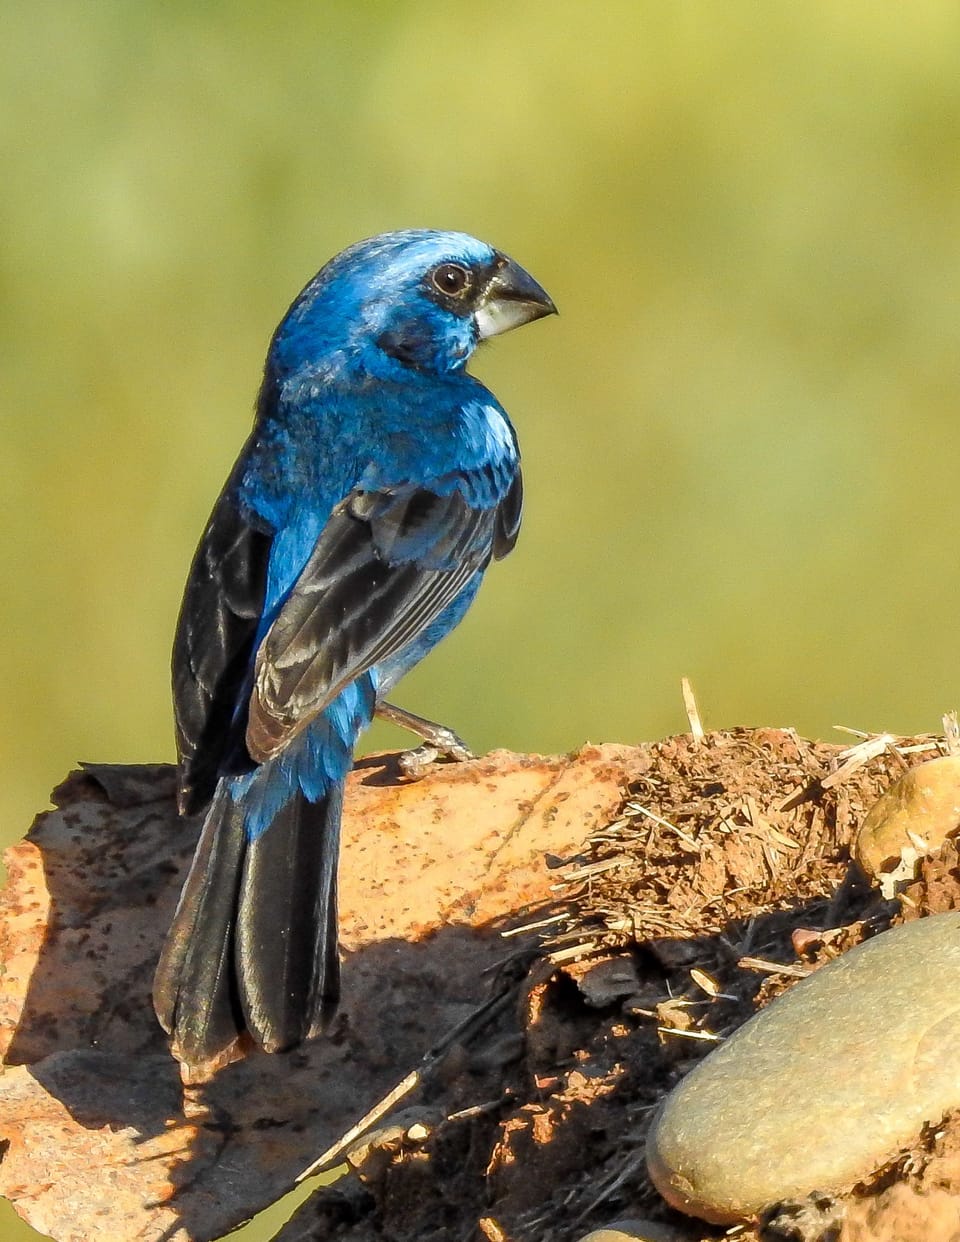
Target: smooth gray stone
824 1085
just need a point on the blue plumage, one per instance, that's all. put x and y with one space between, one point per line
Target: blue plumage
379 481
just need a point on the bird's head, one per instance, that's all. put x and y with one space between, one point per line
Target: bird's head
418 300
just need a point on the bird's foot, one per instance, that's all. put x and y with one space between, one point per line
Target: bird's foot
443 746
440 743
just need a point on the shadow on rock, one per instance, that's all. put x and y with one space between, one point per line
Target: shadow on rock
100 1136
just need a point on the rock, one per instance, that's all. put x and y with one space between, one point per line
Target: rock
607 981
823 1086
637 1231
98 1136
813 1219
372 1154
900 1214
917 813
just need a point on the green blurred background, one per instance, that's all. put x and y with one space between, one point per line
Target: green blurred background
740 436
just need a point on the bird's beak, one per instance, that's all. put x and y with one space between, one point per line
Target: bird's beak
511 298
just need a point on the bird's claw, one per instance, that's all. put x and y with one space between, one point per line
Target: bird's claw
444 746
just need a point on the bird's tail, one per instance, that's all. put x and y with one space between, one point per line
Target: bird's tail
253 946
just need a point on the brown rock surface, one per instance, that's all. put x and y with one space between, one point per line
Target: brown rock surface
680 886
97 1141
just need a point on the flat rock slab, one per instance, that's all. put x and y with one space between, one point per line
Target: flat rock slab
99 1138
822 1087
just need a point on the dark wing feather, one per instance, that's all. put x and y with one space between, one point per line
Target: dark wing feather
385 567
213 648
509 512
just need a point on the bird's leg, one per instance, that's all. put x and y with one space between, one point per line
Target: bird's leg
439 741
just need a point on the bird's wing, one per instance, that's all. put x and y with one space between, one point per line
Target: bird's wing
213 648
509 512
384 568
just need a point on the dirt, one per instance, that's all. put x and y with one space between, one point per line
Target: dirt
723 877
564 937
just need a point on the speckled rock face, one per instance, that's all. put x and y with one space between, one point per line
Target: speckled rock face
824 1085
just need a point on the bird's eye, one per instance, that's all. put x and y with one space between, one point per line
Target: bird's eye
451 279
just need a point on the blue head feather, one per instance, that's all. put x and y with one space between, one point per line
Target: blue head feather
371 310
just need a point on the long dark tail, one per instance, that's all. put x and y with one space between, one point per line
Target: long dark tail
253 946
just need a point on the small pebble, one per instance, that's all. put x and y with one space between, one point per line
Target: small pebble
925 802
823 1086
606 982
376 1150
637 1231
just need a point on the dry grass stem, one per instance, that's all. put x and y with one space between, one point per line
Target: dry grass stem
774 968
951 733
708 1036
636 808
692 710
856 756
535 926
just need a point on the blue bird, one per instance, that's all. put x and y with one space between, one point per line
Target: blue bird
379 481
